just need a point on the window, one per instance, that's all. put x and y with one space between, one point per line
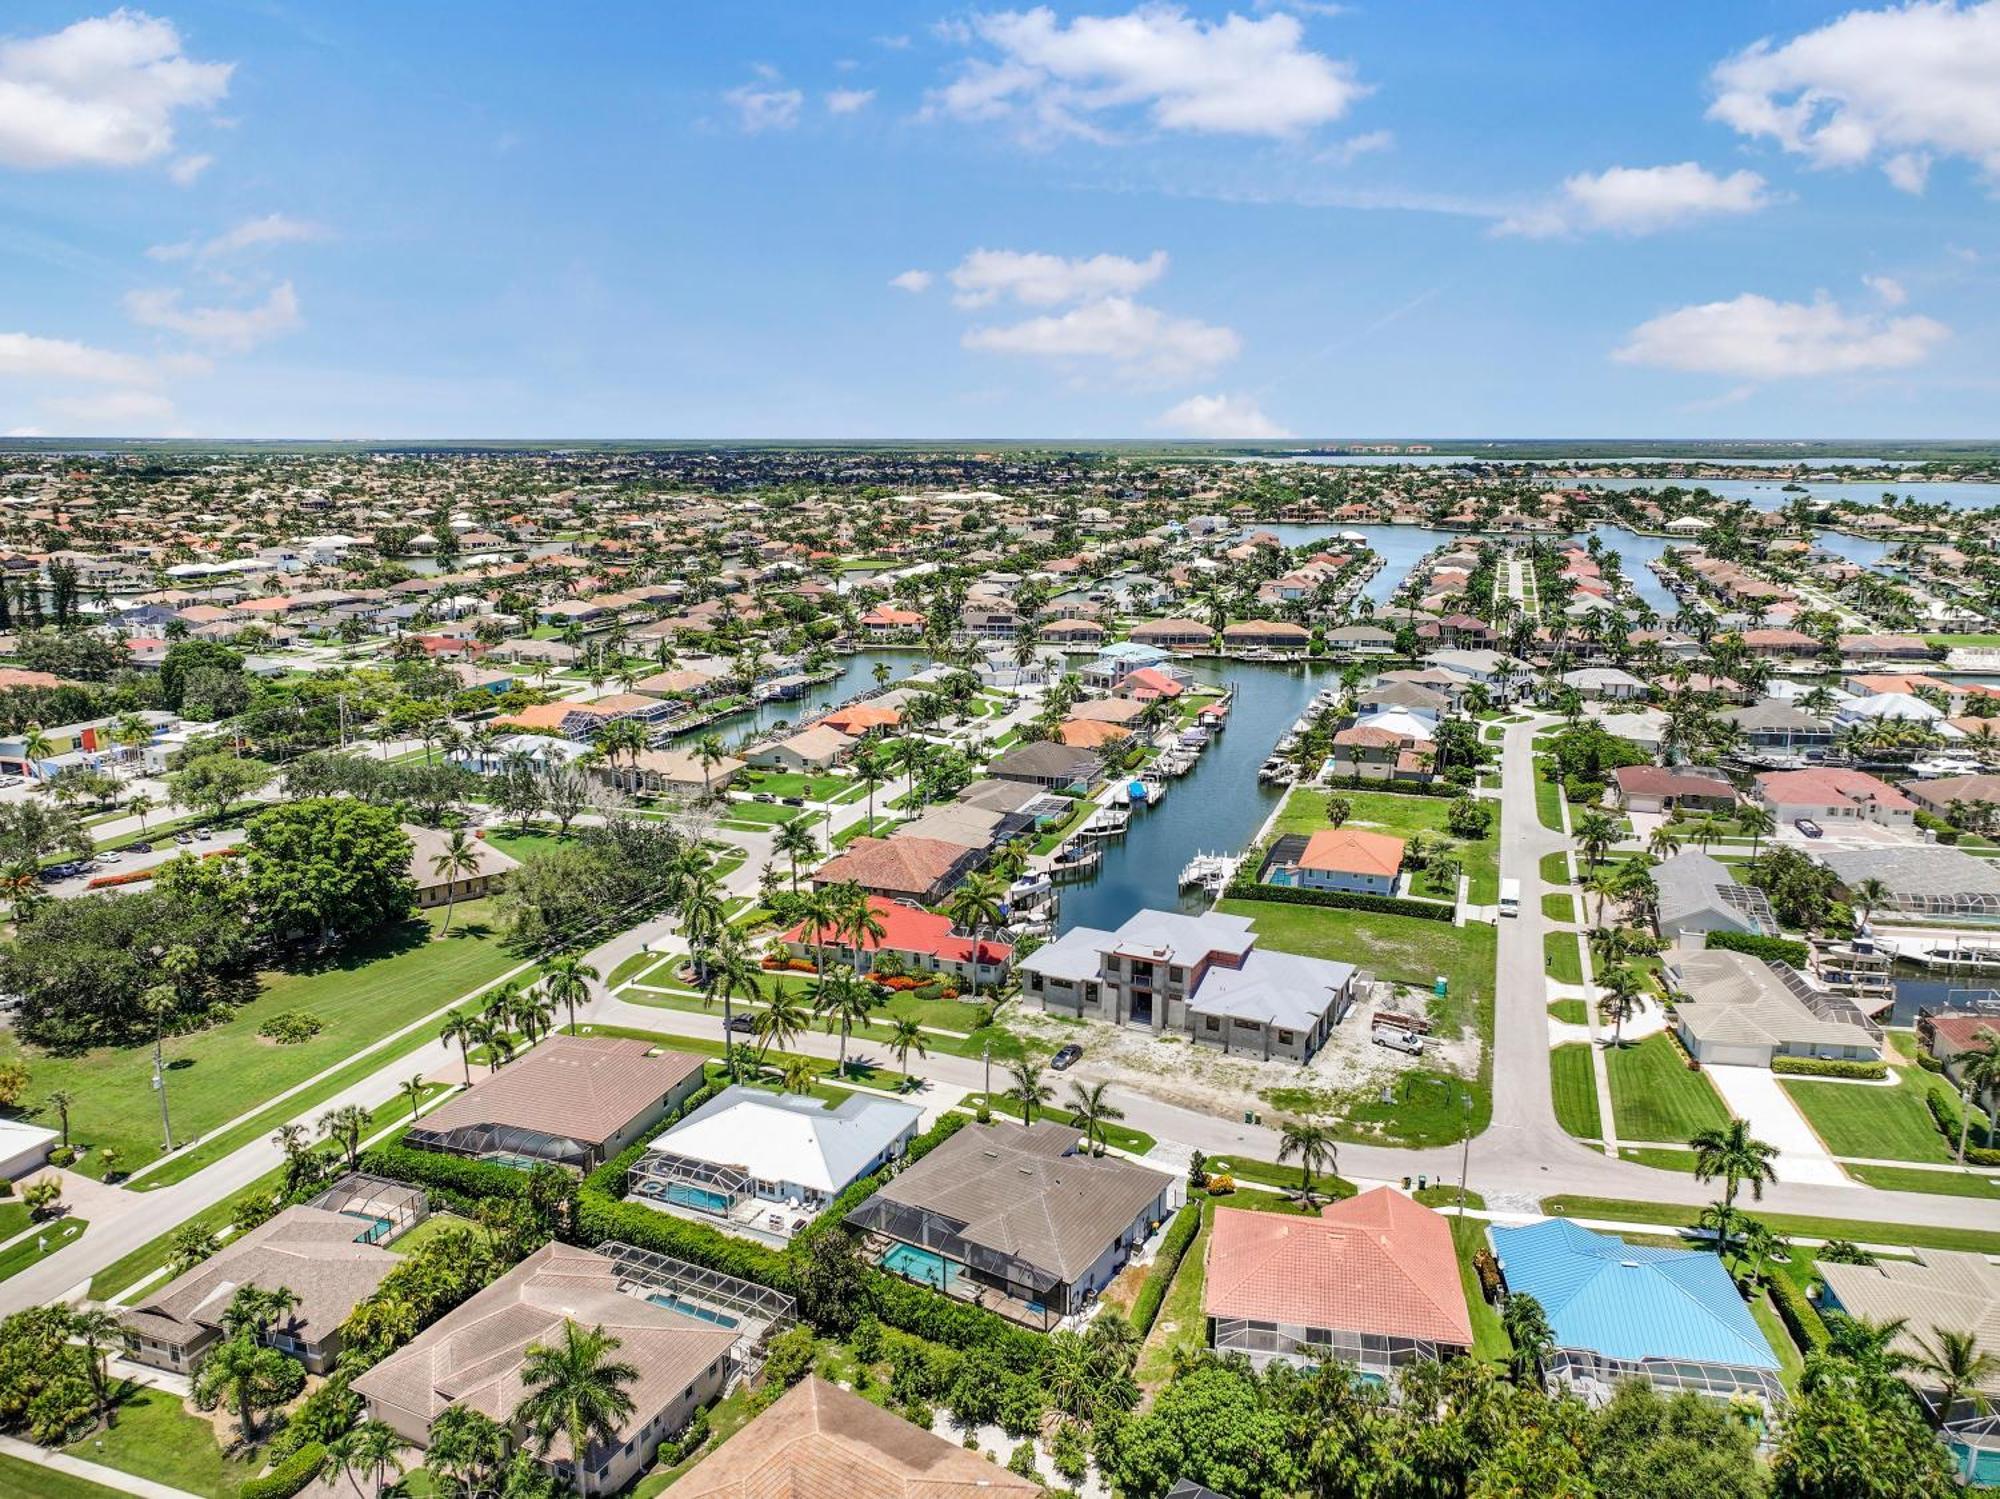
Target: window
1035 982
1209 1022
1176 974
1284 1038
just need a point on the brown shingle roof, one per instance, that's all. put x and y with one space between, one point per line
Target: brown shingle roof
584 1087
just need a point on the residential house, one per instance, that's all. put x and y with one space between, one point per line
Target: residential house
1266 635
1663 788
1697 894
1773 727
1351 859
1928 881
439 885
1830 795
921 869
1054 767
1735 1010
922 941
816 749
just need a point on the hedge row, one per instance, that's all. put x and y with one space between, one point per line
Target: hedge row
1771 949
1173 1249
456 1181
1824 1067
289 1477
1928 1062
1944 1114
1391 788
1388 905
1801 1318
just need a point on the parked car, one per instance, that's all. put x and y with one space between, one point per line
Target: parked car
795 801
744 1023
183 837
142 848
1397 1039
763 796
1067 1058
202 835
1810 828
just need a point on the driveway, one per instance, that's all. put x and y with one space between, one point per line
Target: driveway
1755 1096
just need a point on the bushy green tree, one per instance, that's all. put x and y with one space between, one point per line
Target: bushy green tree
327 865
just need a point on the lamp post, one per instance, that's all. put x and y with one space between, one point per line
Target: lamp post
1456 1089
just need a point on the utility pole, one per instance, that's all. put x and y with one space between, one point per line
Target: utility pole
160 1080
986 1056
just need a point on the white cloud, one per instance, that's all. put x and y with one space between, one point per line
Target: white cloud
1895 86
25 355
1038 280
1219 416
1888 288
232 328
119 412
1237 76
1639 200
912 281
186 169
847 101
1756 338
26 432
102 92
251 234
1343 153
760 109
1139 342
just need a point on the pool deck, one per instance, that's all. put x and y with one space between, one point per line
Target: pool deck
750 1219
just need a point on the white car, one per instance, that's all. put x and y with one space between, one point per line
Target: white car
1397 1039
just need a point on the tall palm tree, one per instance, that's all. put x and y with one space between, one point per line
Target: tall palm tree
1957 1364
1313 1143
566 979
101 1333
345 1126
977 904
1734 1154
730 974
466 1448
1869 895
575 1389
457 859
702 911
1594 834
1532 1339
819 913
784 1018
1756 820
1091 1111
413 1089
1029 1089
378 1448
1978 1080
906 1035
795 841
62 1101
463 1029
1664 842
1619 1000
709 753
843 1000
36 746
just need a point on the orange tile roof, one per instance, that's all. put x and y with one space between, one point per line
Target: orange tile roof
1353 851
1375 1263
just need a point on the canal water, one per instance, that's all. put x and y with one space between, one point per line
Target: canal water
1214 808
1770 494
855 675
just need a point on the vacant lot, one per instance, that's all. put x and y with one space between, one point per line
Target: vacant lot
1655 1097
1386 812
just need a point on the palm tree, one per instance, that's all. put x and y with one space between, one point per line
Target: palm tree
463 1029
36 746
344 1126
1314 1145
1527 1328
975 905
1664 842
1756 820
843 1000
819 915
1869 895
1090 1110
458 858
795 841
101 1333
709 753
868 771
797 1076
1734 1154
783 1019
566 979
378 1448
576 1390
1957 1363
1028 1088
1978 1077
139 805
466 1447
413 1089
62 1101
1595 833
905 1036
1619 1000
1600 881
730 974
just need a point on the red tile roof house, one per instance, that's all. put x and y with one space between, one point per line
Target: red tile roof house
1372 1282
1147 684
1659 788
919 869
1947 1037
1834 796
1264 634
1351 859
924 941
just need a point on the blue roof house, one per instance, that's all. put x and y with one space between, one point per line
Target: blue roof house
1672 1317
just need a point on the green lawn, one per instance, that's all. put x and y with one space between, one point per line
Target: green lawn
430 1228
1559 905
1573 1086
1548 799
1489 1341
1655 1097
1855 1120
1570 1012
24 1480
792 783
1937 1183
1660 1157
155 1437
1135 1140
1555 868
863 827
957 1015
765 814
365 992
1917 1236
1565 964
1046 844
1304 811
13 1217
1180 1322
60 1233
1790 1363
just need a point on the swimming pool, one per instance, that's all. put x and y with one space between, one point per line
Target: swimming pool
921 1265
512 1161
702 1199
377 1230
674 1303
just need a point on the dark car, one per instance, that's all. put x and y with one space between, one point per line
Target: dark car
1065 1059
795 801
142 848
743 1023
1810 828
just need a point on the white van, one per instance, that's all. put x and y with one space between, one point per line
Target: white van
1510 897
1397 1039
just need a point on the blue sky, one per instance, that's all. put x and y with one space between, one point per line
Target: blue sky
1390 218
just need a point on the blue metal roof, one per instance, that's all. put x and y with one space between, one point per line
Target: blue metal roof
1631 1301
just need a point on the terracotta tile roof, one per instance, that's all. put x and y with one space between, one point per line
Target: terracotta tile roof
906 865
821 1440
1353 851
1375 1263
1828 787
908 930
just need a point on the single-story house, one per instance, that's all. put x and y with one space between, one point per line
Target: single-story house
1926 880
436 887
923 942
919 869
1825 794
1267 635
1344 858
1372 1282
1607 683
1173 634
1775 727
1018 1217
815 749
1695 893
24 1147
749 1145
1940 796
1619 1311
574 1101
1736 1010
1054 767
1661 788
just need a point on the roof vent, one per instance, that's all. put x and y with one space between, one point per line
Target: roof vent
1630 1264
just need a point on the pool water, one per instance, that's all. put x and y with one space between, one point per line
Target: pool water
920 1265
377 1230
674 1303
511 1161
699 1198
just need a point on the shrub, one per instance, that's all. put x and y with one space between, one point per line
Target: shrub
1944 1114
1072 1460
288 1477
1389 905
1022 1460
458 1182
291 1027
1928 1062
1801 1318
1173 1248
1771 949
1822 1067
1943 831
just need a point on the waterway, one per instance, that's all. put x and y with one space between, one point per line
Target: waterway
1214 808
855 675
1770 494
